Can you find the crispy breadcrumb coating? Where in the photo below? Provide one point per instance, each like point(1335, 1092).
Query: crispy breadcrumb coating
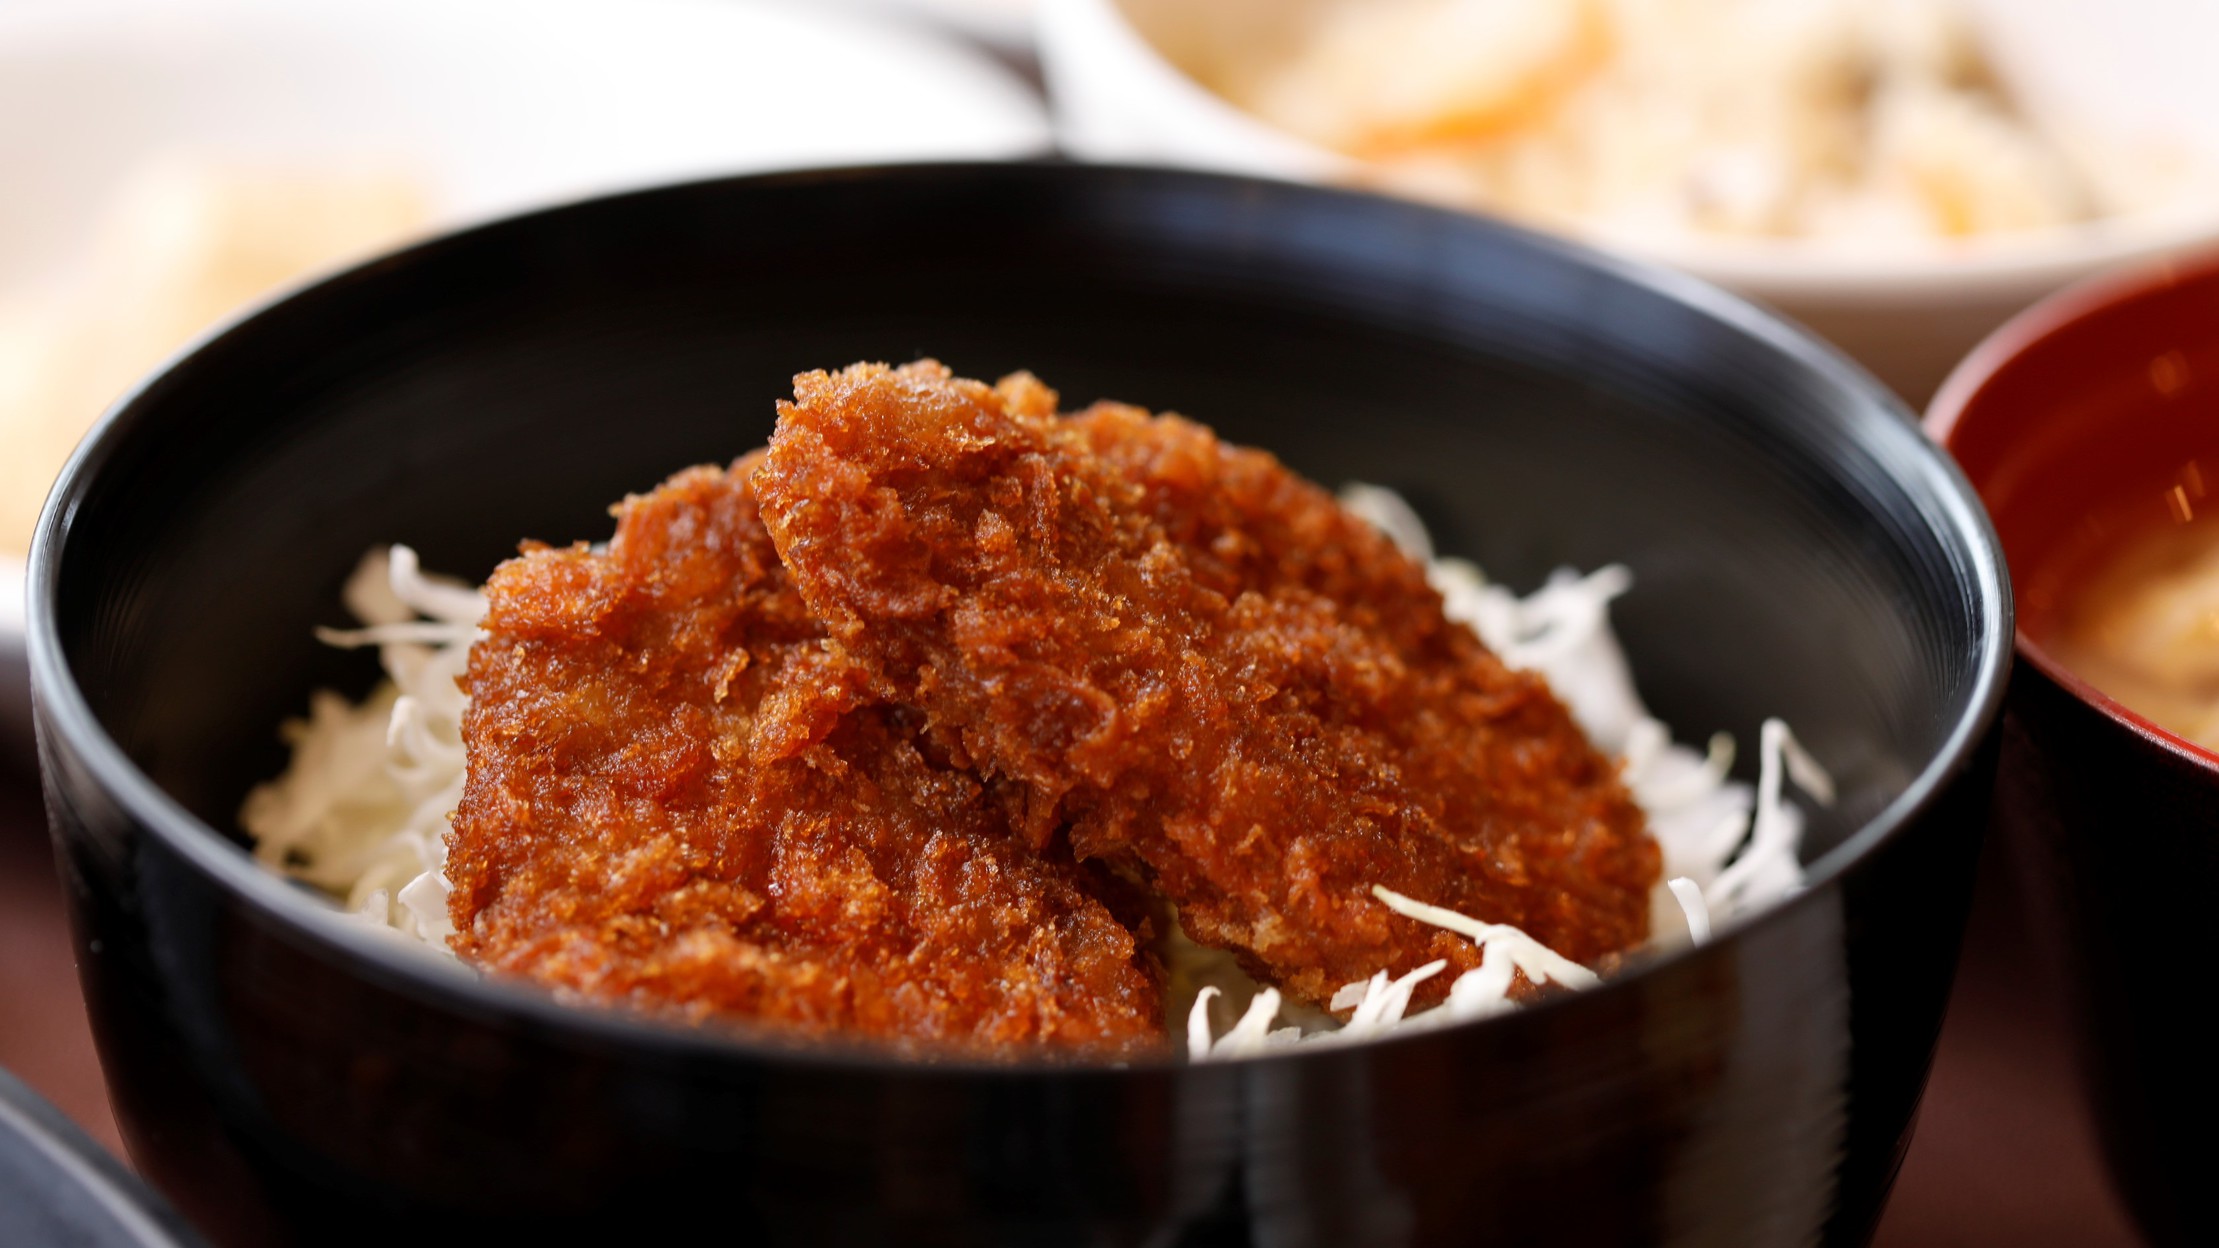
point(1201, 670)
point(681, 798)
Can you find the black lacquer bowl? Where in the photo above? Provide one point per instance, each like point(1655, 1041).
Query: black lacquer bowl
point(2083, 423)
point(1800, 550)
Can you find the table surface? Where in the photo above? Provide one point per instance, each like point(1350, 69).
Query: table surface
point(2004, 1152)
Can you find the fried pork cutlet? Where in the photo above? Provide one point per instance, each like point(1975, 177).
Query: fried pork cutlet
point(1203, 670)
point(680, 798)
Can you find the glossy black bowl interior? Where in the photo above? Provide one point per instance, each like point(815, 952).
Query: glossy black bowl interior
point(1798, 550)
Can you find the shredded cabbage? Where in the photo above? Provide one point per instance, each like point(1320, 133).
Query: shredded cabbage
point(1728, 850)
point(362, 811)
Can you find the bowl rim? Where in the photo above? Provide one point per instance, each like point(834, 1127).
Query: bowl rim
point(68, 725)
point(1855, 276)
point(2029, 333)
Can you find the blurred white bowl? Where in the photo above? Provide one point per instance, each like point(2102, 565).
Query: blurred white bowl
point(1003, 24)
point(502, 104)
point(1118, 76)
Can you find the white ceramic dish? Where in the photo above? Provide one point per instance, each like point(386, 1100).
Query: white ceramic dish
point(1115, 71)
point(504, 104)
point(1003, 24)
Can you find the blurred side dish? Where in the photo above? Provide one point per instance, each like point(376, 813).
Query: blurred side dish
point(2144, 624)
point(185, 242)
point(1846, 119)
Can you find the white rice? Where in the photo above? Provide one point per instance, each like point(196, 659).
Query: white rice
point(363, 810)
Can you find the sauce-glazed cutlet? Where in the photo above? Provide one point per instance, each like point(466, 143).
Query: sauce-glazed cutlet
point(681, 798)
point(1205, 669)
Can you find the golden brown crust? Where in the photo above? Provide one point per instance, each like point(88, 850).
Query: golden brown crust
point(1202, 666)
point(680, 797)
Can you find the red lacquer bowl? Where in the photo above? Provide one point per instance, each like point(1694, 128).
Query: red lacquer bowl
point(2091, 416)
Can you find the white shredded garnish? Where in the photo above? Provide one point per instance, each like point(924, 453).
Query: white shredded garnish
point(1351, 995)
point(416, 632)
point(372, 908)
point(1198, 1025)
point(1476, 994)
point(438, 597)
point(1252, 1033)
point(1692, 907)
point(426, 900)
point(1385, 1007)
point(1769, 866)
point(1380, 1005)
point(1663, 787)
point(1540, 963)
point(1804, 769)
point(1729, 849)
point(1391, 514)
point(362, 811)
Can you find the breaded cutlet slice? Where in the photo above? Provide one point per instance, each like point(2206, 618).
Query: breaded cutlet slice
point(1202, 670)
point(681, 798)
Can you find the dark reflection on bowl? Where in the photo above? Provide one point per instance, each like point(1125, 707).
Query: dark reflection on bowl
point(2068, 420)
point(1800, 551)
point(58, 1187)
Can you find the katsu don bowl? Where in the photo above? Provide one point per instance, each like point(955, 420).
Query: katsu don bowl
point(285, 1070)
